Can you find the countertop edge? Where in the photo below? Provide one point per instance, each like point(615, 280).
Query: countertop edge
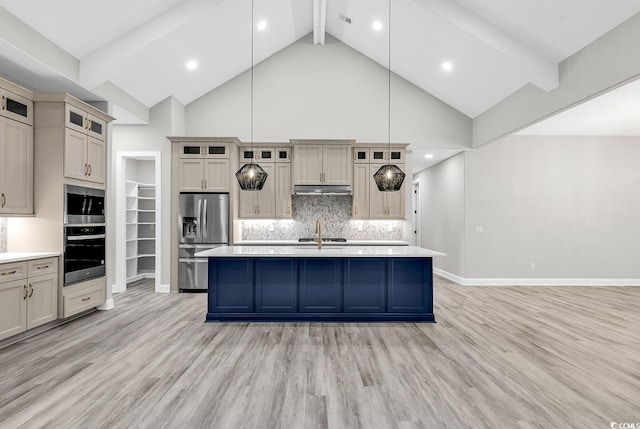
point(25, 256)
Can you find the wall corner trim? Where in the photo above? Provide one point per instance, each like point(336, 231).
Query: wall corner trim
point(108, 305)
point(163, 288)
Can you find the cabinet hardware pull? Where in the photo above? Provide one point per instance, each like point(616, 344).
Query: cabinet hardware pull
point(86, 299)
point(205, 183)
point(25, 292)
point(42, 267)
point(30, 290)
point(4, 103)
point(8, 273)
point(90, 169)
point(89, 124)
point(4, 200)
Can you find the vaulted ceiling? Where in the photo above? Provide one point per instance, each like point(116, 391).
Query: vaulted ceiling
point(141, 47)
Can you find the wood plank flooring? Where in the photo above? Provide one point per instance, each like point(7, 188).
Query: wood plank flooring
point(499, 357)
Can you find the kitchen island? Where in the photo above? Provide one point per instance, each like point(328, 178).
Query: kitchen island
point(336, 283)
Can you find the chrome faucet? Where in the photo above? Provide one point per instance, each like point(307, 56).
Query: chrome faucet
point(319, 232)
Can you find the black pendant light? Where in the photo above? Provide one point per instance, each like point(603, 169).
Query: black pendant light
point(251, 176)
point(389, 177)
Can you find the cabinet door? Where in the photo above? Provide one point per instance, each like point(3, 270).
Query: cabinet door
point(75, 155)
point(365, 285)
point(216, 150)
point(96, 160)
point(191, 150)
point(42, 302)
point(307, 164)
point(16, 107)
point(96, 127)
point(377, 199)
point(361, 179)
point(337, 164)
point(320, 285)
point(248, 203)
point(75, 118)
point(283, 191)
point(16, 167)
point(395, 201)
point(191, 178)
point(267, 196)
point(276, 285)
point(216, 175)
point(13, 308)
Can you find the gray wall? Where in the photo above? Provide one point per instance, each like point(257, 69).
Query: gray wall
point(167, 118)
point(606, 63)
point(326, 91)
point(442, 212)
point(568, 204)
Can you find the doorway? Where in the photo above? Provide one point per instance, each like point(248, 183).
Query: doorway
point(138, 218)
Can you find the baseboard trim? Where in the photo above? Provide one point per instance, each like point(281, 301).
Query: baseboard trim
point(534, 282)
point(163, 289)
point(118, 288)
point(108, 305)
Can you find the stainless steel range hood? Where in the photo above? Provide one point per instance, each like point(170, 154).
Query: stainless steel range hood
point(322, 189)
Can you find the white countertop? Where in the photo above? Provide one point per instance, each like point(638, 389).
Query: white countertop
point(24, 256)
point(328, 243)
point(325, 252)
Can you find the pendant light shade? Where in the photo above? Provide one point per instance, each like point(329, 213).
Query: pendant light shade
point(251, 177)
point(389, 177)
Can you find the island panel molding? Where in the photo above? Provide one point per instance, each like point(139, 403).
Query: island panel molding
point(366, 284)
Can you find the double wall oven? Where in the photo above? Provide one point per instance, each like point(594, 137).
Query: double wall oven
point(84, 234)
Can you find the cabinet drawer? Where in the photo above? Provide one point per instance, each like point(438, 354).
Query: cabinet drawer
point(13, 271)
point(39, 267)
point(84, 297)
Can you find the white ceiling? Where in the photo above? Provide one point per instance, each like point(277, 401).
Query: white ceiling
point(496, 46)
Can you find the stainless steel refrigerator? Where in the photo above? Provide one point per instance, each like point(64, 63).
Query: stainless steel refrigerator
point(203, 223)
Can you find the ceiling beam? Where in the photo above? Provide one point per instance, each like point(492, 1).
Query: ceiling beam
point(137, 113)
point(542, 71)
point(319, 21)
point(100, 65)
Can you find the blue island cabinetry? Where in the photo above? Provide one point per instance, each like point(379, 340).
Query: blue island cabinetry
point(320, 289)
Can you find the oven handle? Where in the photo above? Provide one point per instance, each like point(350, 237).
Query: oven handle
point(85, 237)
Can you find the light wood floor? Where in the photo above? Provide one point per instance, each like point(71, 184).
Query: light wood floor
point(499, 357)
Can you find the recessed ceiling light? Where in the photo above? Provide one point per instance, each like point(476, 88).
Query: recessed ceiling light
point(262, 25)
point(429, 156)
point(447, 66)
point(192, 65)
point(377, 25)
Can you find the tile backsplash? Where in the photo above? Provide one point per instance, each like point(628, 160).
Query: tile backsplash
point(334, 213)
point(3, 234)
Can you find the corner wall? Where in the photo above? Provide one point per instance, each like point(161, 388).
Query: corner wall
point(165, 119)
point(442, 212)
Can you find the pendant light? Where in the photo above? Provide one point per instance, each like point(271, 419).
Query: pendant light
point(389, 177)
point(251, 176)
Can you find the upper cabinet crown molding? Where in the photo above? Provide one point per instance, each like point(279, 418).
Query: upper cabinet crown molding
point(70, 99)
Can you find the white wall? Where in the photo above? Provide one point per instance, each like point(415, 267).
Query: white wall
point(326, 91)
point(569, 204)
point(442, 213)
point(166, 119)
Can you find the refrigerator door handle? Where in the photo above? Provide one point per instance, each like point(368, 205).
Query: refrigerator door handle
point(199, 220)
point(204, 217)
